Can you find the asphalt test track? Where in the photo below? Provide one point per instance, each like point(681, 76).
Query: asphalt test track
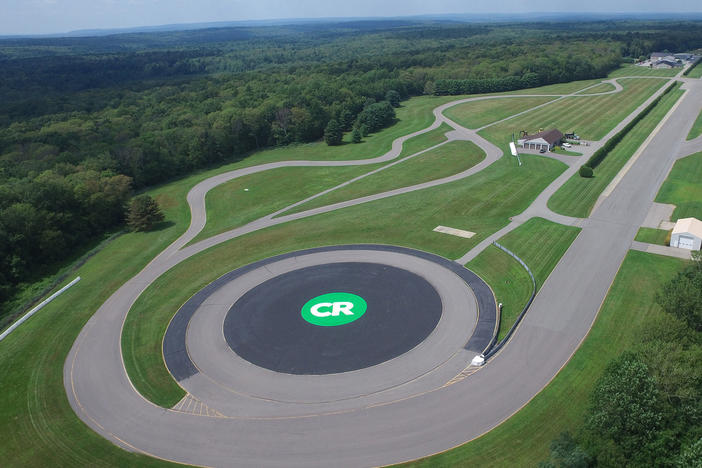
point(381, 414)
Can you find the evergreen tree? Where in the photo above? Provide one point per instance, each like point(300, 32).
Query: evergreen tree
point(356, 135)
point(143, 213)
point(333, 133)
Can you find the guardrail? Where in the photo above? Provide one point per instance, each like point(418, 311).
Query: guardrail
point(26, 316)
point(492, 350)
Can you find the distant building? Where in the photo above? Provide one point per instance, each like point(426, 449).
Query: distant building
point(658, 55)
point(668, 62)
point(687, 234)
point(542, 140)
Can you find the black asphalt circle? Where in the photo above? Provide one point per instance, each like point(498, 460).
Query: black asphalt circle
point(266, 326)
point(175, 349)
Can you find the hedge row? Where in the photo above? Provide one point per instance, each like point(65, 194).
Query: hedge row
point(602, 153)
point(696, 64)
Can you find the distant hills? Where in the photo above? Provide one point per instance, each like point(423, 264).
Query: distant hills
point(408, 20)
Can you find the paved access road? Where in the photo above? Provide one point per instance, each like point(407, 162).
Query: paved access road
point(101, 394)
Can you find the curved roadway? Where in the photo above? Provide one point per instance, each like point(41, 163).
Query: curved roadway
point(562, 314)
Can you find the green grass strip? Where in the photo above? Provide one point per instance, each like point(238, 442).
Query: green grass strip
point(540, 244)
point(651, 235)
point(696, 129)
point(600, 88)
point(636, 70)
point(248, 198)
point(477, 114)
point(682, 188)
point(578, 195)
point(451, 158)
point(425, 140)
point(523, 439)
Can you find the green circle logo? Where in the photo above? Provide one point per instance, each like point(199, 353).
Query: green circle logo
point(330, 310)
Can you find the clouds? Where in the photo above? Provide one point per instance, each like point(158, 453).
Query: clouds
point(52, 16)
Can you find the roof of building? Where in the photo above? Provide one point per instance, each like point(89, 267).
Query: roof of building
point(688, 225)
point(659, 54)
point(551, 136)
point(670, 63)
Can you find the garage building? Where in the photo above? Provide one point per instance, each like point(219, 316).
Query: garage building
point(687, 234)
point(542, 140)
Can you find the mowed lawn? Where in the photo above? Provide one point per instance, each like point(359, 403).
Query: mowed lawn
point(446, 160)
point(651, 235)
point(540, 244)
point(425, 140)
point(636, 70)
point(591, 117)
point(696, 72)
point(578, 195)
point(524, 438)
point(558, 88)
point(477, 114)
point(683, 189)
point(600, 88)
point(696, 129)
point(478, 204)
point(248, 198)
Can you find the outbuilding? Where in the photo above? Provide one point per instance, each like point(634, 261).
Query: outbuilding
point(687, 234)
point(542, 140)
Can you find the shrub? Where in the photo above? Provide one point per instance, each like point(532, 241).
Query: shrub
point(586, 171)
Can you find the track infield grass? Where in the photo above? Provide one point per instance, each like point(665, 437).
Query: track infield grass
point(600, 88)
point(479, 113)
point(540, 244)
point(524, 438)
point(636, 70)
point(591, 117)
point(251, 197)
point(446, 160)
point(682, 188)
point(579, 194)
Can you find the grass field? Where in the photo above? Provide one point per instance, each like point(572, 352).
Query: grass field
point(591, 117)
point(230, 206)
point(696, 129)
point(558, 150)
point(578, 195)
point(651, 236)
point(451, 158)
point(600, 88)
point(477, 114)
point(541, 244)
point(478, 204)
point(682, 188)
point(523, 439)
point(425, 140)
point(696, 72)
point(558, 88)
point(635, 70)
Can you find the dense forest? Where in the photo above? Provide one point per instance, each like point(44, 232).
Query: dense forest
point(86, 122)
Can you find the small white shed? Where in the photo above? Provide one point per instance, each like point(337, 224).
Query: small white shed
point(687, 234)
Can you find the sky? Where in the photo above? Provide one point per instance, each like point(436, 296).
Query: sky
point(60, 16)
